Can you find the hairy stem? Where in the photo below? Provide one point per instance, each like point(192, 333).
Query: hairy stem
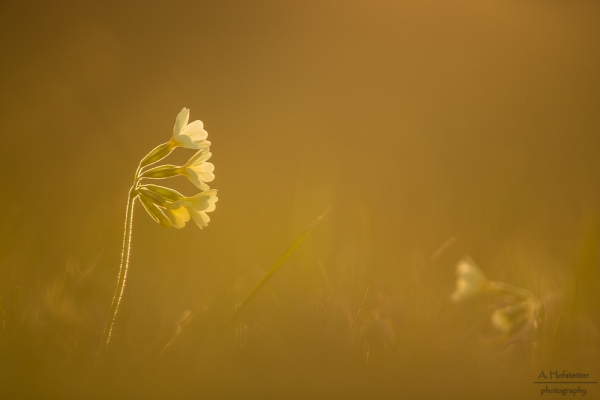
point(116, 302)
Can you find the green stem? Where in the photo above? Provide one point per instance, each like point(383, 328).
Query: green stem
point(513, 290)
point(124, 266)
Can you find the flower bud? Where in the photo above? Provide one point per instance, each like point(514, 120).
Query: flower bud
point(156, 213)
point(154, 197)
point(167, 193)
point(164, 171)
point(157, 154)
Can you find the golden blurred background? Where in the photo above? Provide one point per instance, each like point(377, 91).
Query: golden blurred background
point(434, 130)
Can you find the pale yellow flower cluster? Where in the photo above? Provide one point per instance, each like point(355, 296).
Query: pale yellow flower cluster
point(167, 206)
point(521, 309)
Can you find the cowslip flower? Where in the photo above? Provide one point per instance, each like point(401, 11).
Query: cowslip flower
point(470, 280)
point(198, 171)
point(178, 215)
point(166, 206)
point(170, 203)
point(196, 207)
point(189, 136)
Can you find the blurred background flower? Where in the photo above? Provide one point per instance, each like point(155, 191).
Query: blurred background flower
point(470, 280)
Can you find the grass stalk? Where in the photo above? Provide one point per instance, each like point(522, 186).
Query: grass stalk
point(360, 309)
point(270, 272)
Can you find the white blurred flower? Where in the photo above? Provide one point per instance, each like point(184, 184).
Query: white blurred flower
point(470, 280)
point(514, 317)
point(195, 207)
point(198, 171)
point(190, 136)
point(505, 319)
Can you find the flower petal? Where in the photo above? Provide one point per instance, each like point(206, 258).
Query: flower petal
point(200, 218)
point(178, 216)
point(204, 171)
point(181, 121)
point(192, 136)
point(179, 203)
point(202, 201)
point(200, 174)
point(198, 158)
point(201, 185)
point(211, 204)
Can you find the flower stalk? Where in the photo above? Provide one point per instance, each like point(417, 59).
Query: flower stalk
point(166, 206)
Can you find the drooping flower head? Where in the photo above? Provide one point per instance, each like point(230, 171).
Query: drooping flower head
point(167, 206)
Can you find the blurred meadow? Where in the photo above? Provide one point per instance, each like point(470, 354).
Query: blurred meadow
point(433, 129)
